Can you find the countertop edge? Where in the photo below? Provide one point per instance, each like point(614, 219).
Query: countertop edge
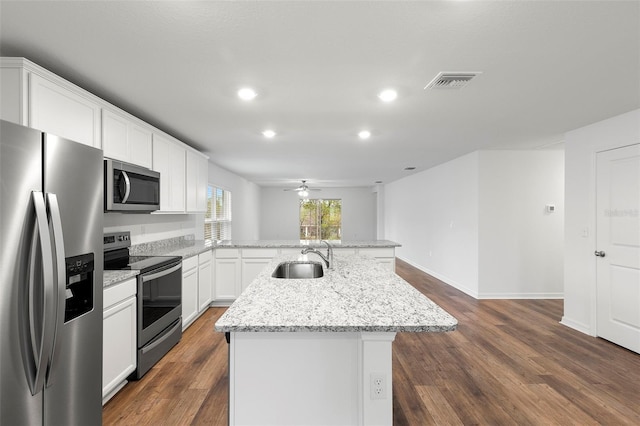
point(337, 329)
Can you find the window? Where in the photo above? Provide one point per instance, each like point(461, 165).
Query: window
point(320, 219)
point(217, 219)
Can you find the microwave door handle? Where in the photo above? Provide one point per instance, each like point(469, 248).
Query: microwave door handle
point(41, 325)
point(160, 274)
point(127, 187)
point(61, 268)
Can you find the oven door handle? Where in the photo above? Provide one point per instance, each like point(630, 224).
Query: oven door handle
point(161, 274)
point(167, 335)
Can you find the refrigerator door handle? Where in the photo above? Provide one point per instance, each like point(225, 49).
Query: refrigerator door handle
point(61, 271)
point(41, 312)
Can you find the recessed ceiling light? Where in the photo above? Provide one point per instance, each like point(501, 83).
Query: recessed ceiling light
point(364, 134)
point(247, 93)
point(269, 134)
point(410, 168)
point(378, 182)
point(388, 95)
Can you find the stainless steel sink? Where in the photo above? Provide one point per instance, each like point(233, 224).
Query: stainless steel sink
point(298, 270)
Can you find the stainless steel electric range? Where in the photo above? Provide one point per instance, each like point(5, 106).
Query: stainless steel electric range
point(159, 298)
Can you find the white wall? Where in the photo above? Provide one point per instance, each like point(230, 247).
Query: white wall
point(581, 146)
point(478, 223)
point(520, 244)
point(145, 227)
point(434, 215)
point(280, 211)
point(245, 202)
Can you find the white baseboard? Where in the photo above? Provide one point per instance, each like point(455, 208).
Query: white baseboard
point(521, 296)
point(576, 325)
point(481, 295)
point(443, 278)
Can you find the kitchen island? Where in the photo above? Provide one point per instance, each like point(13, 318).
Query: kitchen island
point(318, 351)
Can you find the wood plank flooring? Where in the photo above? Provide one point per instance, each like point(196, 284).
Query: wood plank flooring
point(509, 363)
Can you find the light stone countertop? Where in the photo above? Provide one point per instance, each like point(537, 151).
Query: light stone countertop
point(358, 295)
point(171, 247)
point(113, 277)
point(186, 247)
point(302, 244)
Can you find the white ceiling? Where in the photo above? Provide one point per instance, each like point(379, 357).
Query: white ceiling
point(547, 67)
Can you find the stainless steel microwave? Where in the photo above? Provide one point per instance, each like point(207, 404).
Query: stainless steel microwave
point(130, 188)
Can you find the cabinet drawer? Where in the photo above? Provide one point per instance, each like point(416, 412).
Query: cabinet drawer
point(265, 253)
point(118, 292)
point(290, 250)
point(227, 253)
point(205, 257)
point(189, 263)
point(378, 252)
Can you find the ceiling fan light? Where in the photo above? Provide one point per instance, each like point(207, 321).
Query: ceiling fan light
point(304, 193)
point(269, 134)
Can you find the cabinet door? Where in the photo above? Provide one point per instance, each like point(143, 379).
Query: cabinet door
point(227, 279)
point(169, 161)
point(203, 179)
point(140, 142)
point(192, 181)
point(189, 296)
point(251, 268)
point(205, 271)
point(177, 166)
point(119, 345)
point(63, 112)
point(114, 136)
point(197, 176)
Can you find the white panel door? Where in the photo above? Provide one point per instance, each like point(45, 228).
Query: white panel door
point(618, 246)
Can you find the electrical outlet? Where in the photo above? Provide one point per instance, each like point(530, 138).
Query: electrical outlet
point(378, 386)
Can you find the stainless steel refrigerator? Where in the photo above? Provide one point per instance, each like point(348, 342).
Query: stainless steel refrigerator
point(51, 263)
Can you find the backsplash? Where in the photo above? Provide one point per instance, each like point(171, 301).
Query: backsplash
point(147, 228)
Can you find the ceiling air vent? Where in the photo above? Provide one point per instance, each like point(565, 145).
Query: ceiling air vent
point(451, 80)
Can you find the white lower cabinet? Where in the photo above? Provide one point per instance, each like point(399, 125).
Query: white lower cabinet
point(384, 256)
point(253, 262)
point(196, 286)
point(119, 337)
point(227, 275)
point(189, 291)
point(236, 268)
point(205, 275)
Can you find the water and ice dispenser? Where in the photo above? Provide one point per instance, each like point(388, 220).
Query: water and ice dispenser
point(79, 287)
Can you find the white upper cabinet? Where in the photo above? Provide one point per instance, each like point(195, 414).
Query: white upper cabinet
point(63, 112)
point(35, 97)
point(197, 176)
point(125, 140)
point(169, 159)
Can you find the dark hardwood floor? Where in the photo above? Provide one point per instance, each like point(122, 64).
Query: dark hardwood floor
point(509, 363)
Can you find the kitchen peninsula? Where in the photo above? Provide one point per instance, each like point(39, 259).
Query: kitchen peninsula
point(318, 351)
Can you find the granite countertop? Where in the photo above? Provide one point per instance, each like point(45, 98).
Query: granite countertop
point(358, 295)
point(113, 277)
point(299, 243)
point(171, 247)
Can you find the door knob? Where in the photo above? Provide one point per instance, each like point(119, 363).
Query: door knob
point(599, 253)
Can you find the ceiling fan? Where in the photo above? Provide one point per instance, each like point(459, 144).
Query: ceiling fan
point(303, 190)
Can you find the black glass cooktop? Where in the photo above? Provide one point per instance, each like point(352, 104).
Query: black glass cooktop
point(122, 261)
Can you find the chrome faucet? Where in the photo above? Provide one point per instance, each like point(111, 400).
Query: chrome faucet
point(328, 259)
